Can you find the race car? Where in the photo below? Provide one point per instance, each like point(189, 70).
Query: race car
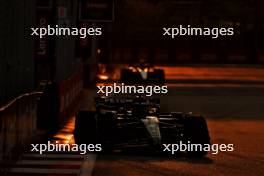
point(142, 73)
point(138, 121)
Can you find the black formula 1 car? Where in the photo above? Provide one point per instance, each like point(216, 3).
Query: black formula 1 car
point(142, 73)
point(138, 121)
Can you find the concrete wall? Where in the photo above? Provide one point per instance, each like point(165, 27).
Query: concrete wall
point(16, 61)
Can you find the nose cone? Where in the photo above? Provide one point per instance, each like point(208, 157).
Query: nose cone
point(144, 74)
point(152, 126)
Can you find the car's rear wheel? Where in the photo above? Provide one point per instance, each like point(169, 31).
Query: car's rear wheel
point(106, 131)
point(196, 132)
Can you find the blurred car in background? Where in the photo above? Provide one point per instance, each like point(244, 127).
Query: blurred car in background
point(142, 73)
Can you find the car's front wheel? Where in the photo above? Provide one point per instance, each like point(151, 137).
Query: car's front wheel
point(196, 132)
point(85, 131)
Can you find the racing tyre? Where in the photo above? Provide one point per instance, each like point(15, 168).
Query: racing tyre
point(85, 131)
point(196, 131)
point(106, 131)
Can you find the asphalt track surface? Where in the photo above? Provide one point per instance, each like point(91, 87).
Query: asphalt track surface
point(246, 160)
point(232, 101)
point(234, 112)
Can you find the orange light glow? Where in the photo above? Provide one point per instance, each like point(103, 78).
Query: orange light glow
point(65, 135)
point(213, 73)
point(146, 69)
point(133, 69)
point(103, 77)
point(64, 138)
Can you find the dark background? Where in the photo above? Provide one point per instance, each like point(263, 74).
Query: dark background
point(221, 79)
point(132, 29)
